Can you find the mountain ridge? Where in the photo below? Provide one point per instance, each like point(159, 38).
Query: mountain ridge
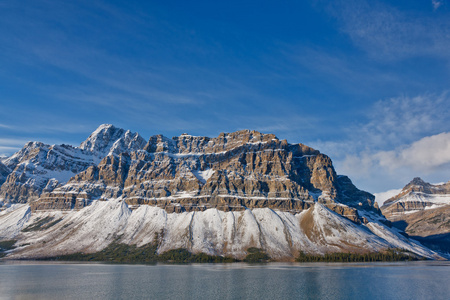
point(217, 195)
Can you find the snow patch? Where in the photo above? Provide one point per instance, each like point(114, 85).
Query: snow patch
point(13, 219)
point(204, 175)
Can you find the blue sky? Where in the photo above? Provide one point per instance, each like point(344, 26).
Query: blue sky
point(366, 82)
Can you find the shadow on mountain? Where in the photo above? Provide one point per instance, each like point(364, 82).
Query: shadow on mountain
point(437, 242)
point(400, 225)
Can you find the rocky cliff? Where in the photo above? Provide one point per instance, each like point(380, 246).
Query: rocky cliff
point(235, 171)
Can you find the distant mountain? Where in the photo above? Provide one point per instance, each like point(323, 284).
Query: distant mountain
point(423, 211)
point(219, 196)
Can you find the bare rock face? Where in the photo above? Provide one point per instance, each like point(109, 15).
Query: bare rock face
point(235, 171)
point(423, 211)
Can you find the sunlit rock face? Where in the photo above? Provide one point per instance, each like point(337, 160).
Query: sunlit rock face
point(232, 172)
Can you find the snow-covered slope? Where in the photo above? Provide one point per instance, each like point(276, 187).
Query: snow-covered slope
point(281, 234)
point(12, 220)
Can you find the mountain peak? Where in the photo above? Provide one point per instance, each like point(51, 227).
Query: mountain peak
point(107, 139)
point(417, 181)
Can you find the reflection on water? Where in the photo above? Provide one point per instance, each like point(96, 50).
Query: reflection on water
point(411, 280)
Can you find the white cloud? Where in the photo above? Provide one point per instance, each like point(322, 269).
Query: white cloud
point(402, 138)
point(424, 155)
point(5, 142)
point(10, 145)
point(380, 198)
point(375, 171)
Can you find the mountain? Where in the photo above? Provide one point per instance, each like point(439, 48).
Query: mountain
point(423, 211)
point(109, 140)
point(39, 167)
point(219, 196)
point(244, 169)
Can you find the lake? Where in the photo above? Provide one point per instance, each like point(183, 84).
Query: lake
point(403, 280)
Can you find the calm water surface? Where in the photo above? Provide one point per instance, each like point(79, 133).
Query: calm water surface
point(412, 280)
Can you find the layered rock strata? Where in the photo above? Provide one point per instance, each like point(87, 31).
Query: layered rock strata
point(235, 171)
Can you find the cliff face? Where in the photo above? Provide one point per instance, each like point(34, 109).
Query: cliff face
point(235, 171)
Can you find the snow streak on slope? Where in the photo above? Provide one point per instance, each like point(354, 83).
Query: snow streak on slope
point(203, 176)
point(281, 234)
point(12, 220)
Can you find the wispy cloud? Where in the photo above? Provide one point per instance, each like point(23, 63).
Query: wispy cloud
point(353, 74)
point(402, 138)
point(436, 4)
point(378, 171)
point(12, 142)
point(427, 155)
point(385, 32)
point(393, 123)
point(10, 145)
point(400, 120)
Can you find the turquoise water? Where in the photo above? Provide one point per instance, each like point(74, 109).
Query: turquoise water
point(411, 280)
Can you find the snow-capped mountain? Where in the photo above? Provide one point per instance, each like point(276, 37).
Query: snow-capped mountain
point(423, 211)
point(39, 167)
point(417, 196)
point(107, 140)
point(215, 195)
